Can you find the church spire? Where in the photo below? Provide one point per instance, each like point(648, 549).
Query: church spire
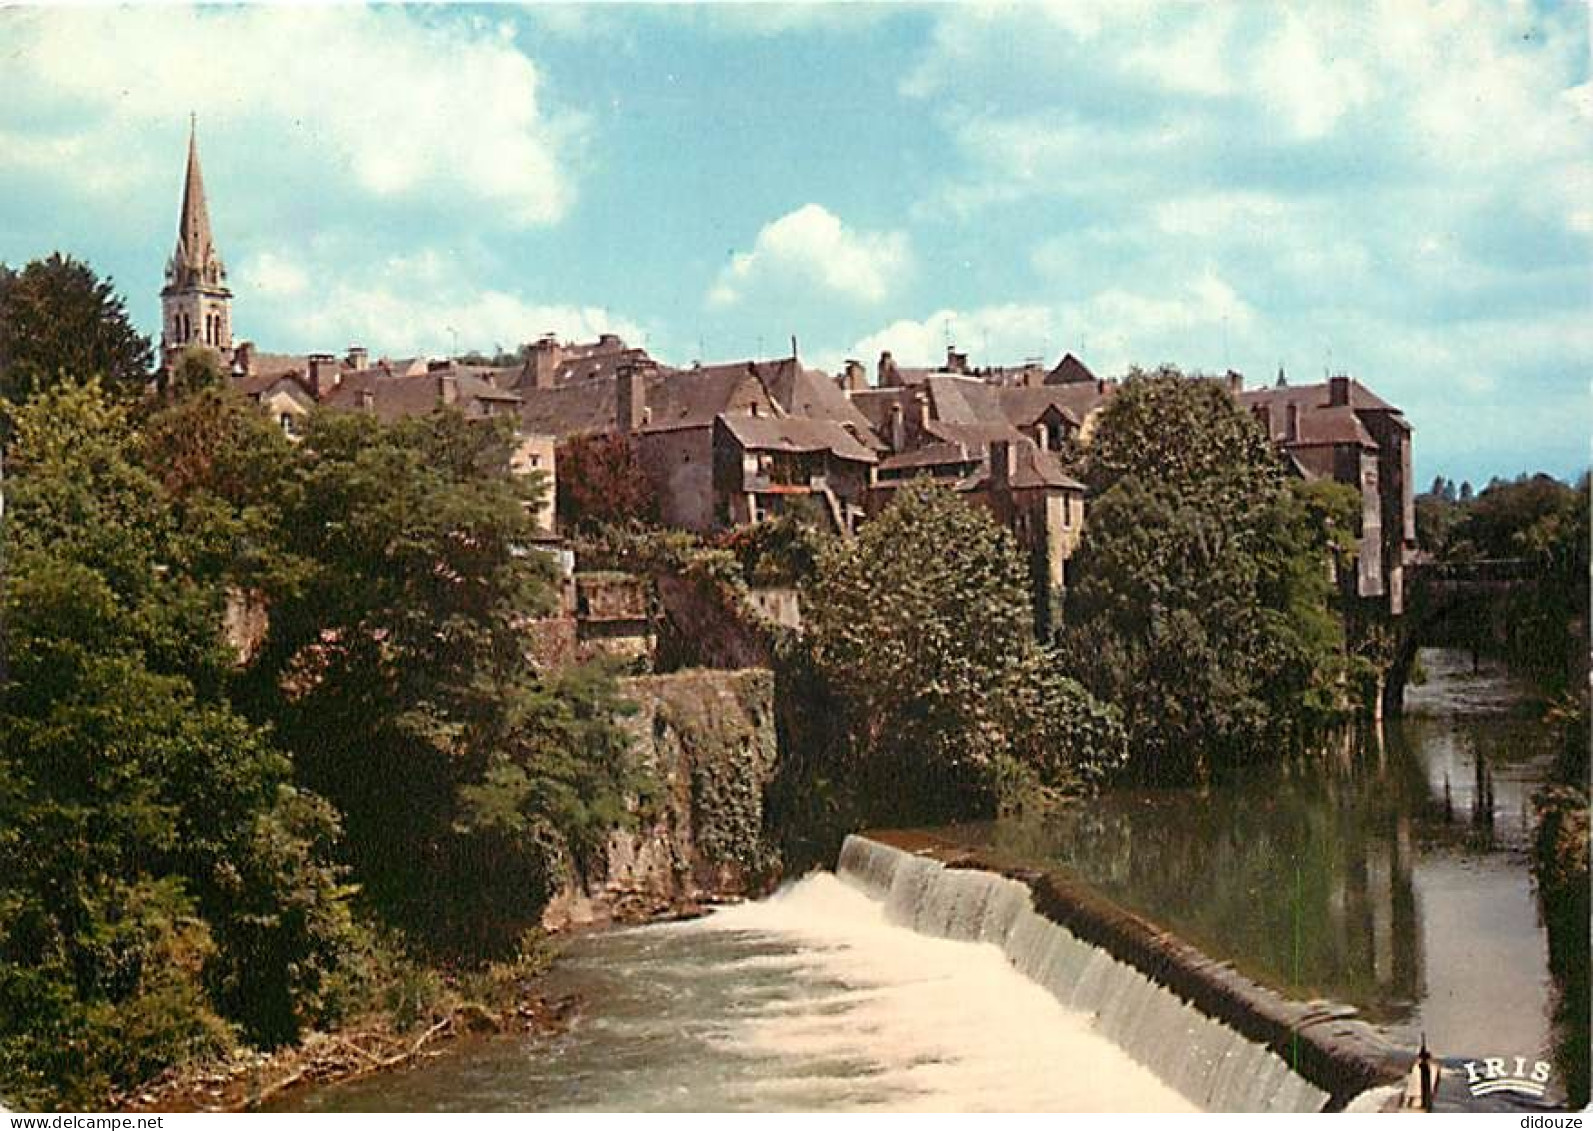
point(195, 259)
point(196, 304)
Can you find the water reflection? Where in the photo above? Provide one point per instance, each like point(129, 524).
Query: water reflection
point(1391, 874)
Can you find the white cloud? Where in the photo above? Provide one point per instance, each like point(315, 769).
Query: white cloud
point(270, 274)
point(811, 246)
point(995, 333)
point(418, 303)
point(389, 102)
point(1191, 321)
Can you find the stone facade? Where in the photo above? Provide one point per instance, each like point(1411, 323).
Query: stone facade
point(1341, 430)
point(707, 739)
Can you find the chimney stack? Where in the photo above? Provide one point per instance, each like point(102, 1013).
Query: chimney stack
point(898, 431)
point(358, 358)
point(956, 362)
point(630, 398)
point(1003, 463)
point(1236, 381)
point(1262, 412)
point(546, 357)
point(324, 375)
point(1292, 430)
point(447, 387)
point(854, 377)
point(889, 376)
point(1339, 391)
point(368, 399)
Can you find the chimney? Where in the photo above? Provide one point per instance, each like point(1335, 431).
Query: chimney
point(546, 357)
point(889, 376)
point(324, 375)
point(630, 398)
point(368, 399)
point(243, 358)
point(898, 431)
point(1292, 429)
point(921, 412)
point(1263, 414)
point(1339, 391)
point(1042, 440)
point(956, 362)
point(609, 343)
point(1003, 463)
point(358, 358)
point(447, 387)
point(854, 377)
point(1236, 381)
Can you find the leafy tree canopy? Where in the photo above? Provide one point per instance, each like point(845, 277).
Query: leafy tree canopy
point(160, 877)
point(395, 669)
point(601, 483)
point(1202, 605)
point(58, 320)
point(922, 631)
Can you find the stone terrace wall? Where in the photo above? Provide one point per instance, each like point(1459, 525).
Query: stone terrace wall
point(707, 739)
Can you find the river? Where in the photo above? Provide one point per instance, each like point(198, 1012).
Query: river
point(1393, 877)
point(807, 1001)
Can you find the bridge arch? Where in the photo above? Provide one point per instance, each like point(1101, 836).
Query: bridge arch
point(1458, 605)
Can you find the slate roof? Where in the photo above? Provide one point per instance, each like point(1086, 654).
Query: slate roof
point(1320, 422)
point(930, 455)
point(1069, 371)
point(795, 434)
point(810, 393)
point(675, 398)
point(1036, 469)
point(397, 395)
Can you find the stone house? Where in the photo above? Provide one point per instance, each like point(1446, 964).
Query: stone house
point(764, 464)
point(1341, 430)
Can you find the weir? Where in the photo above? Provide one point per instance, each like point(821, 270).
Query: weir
point(1224, 1042)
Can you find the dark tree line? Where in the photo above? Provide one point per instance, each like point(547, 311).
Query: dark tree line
point(207, 837)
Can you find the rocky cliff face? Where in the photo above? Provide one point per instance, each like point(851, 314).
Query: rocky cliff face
point(707, 739)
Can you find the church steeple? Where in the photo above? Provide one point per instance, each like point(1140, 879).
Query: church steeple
point(196, 305)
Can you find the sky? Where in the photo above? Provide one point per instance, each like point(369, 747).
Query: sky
point(1398, 190)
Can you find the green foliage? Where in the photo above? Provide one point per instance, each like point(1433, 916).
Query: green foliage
point(921, 629)
point(157, 870)
point(601, 482)
point(395, 669)
point(195, 370)
point(60, 321)
point(1202, 604)
point(784, 550)
point(1186, 435)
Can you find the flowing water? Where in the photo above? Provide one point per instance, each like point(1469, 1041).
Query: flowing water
point(811, 1000)
point(1395, 877)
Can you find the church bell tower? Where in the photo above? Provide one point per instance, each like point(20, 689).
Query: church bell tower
point(196, 306)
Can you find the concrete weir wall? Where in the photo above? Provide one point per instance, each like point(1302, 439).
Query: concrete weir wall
point(1224, 1041)
point(706, 740)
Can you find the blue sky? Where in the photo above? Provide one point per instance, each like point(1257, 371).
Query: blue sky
point(1398, 190)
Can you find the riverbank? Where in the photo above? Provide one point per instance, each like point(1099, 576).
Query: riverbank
point(373, 1043)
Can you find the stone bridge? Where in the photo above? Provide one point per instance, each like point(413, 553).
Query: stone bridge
point(1457, 605)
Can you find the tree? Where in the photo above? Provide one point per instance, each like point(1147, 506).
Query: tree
point(395, 669)
point(602, 482)
point(160, 876)
point(1201, 605)
point(60, 320)
point(922, 631)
